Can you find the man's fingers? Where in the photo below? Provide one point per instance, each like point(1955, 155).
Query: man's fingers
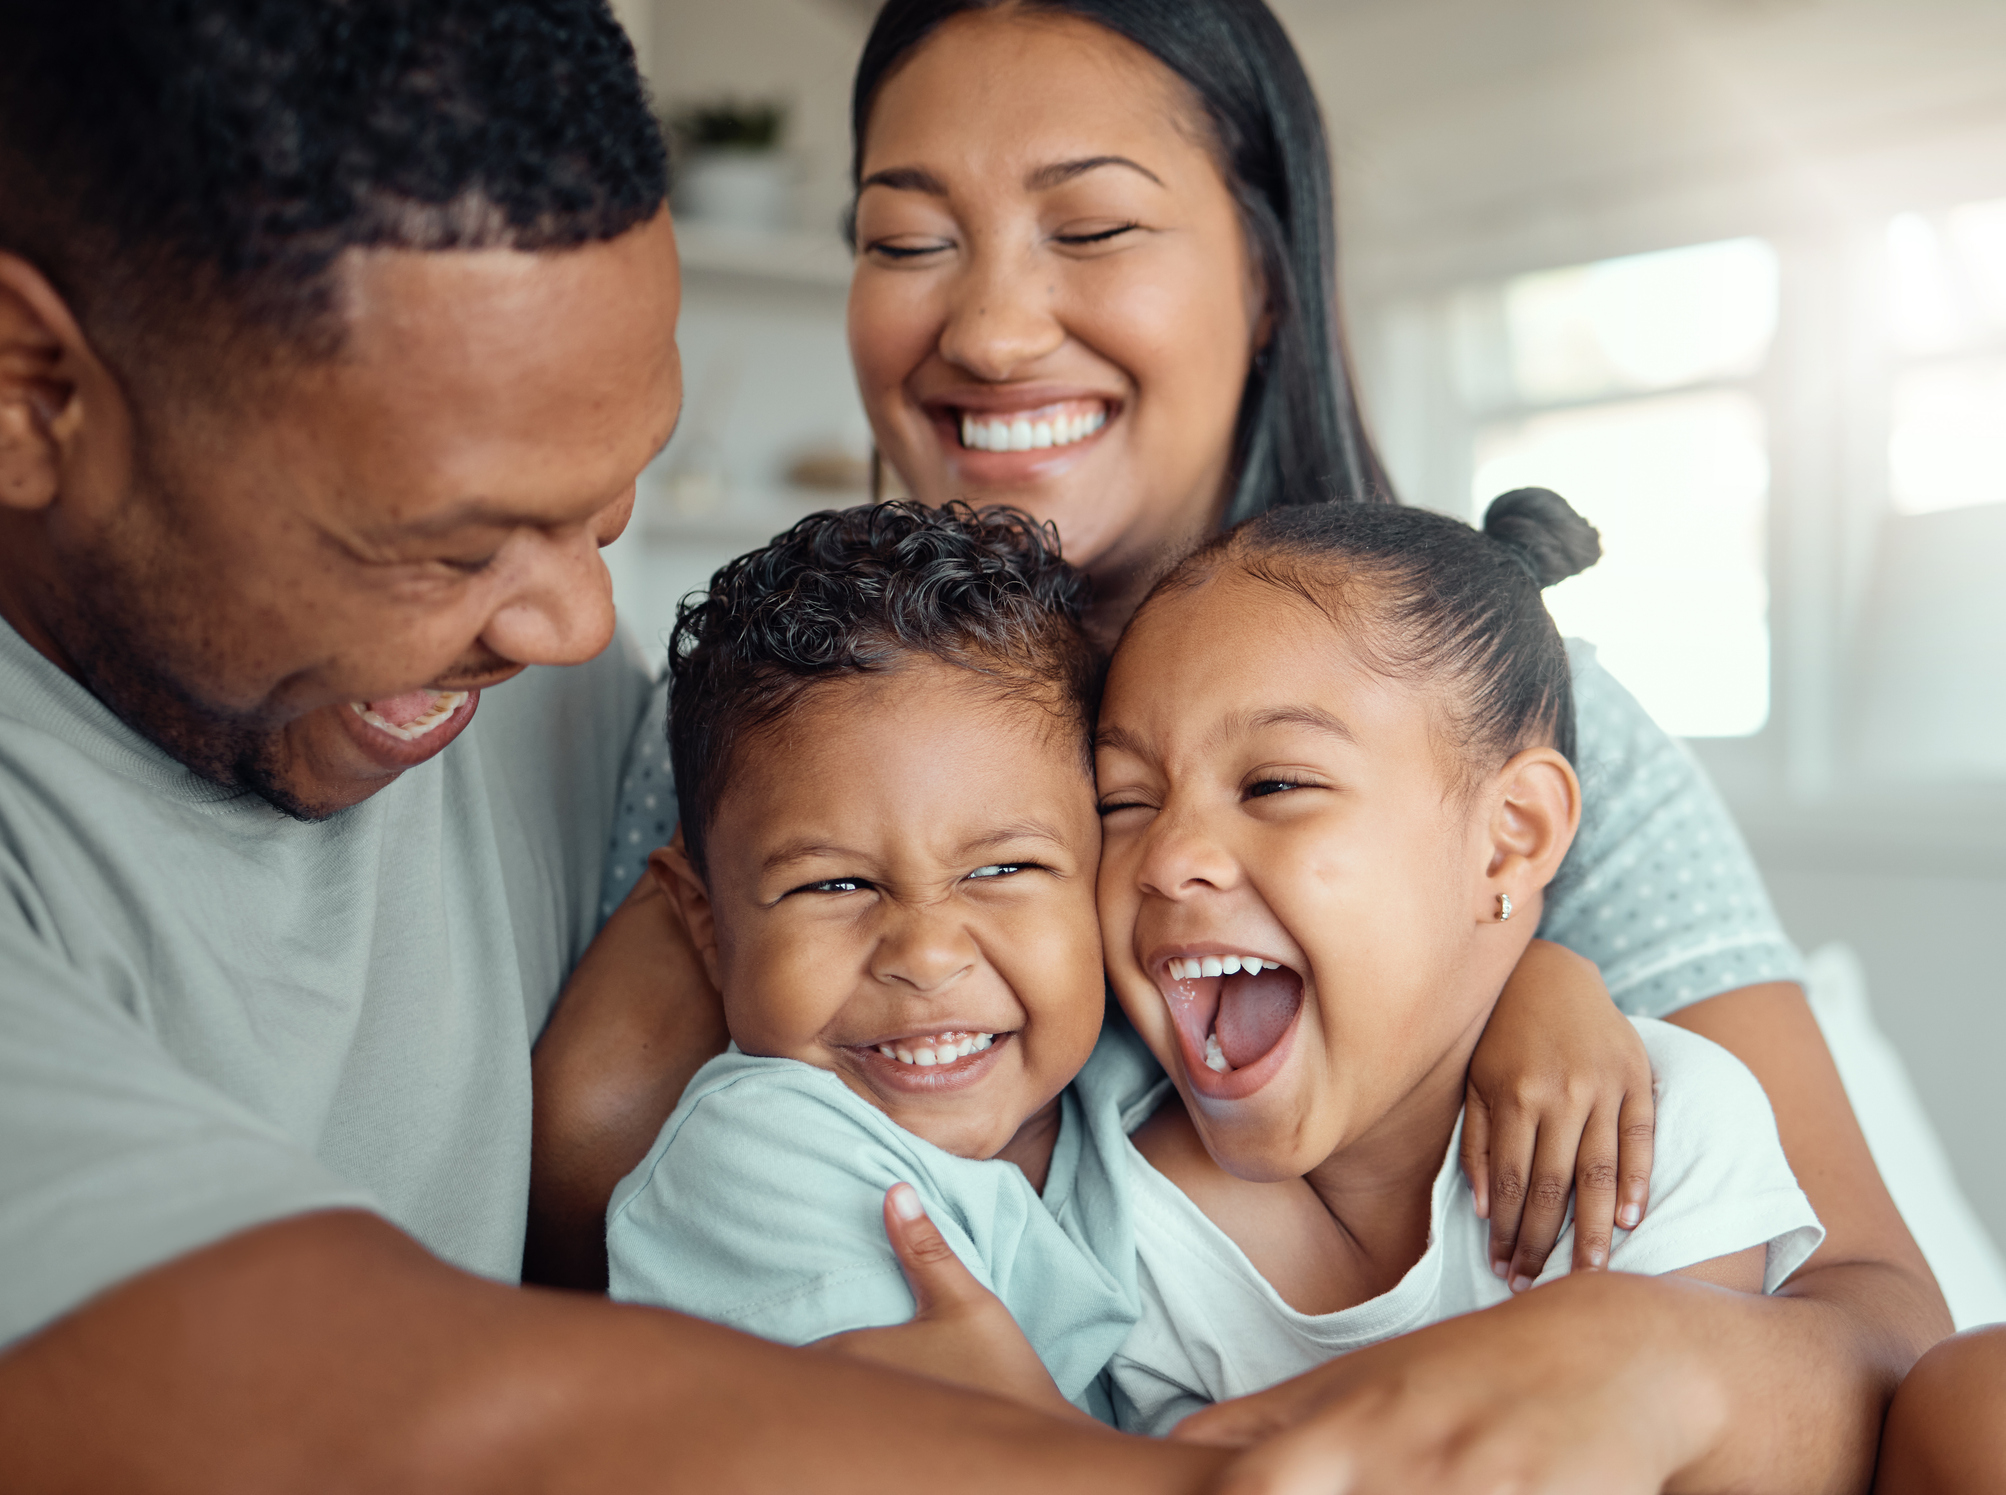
point(932, 1270)
point(1595, 1178)
point(1476, 1149)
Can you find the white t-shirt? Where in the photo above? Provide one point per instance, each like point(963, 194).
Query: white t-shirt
point(213, 1016)
point(1212, 1327)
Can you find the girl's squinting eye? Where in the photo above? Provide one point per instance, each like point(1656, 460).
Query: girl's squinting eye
point(1263, 788)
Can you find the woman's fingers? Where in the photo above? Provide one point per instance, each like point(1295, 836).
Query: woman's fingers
point(1595, 1180)
point(1514, 1132)
point(1636, 1139)
point(1551, 1181)
point(937, 1277)
point(1476, 1149)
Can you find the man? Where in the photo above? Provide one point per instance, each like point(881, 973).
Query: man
point(333, 334)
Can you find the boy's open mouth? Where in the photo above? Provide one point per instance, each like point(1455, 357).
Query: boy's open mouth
point(1231, 1009)
point(939, 1048)
point(930, 1063)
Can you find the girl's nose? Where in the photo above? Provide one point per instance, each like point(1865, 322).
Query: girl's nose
point(1181, 858)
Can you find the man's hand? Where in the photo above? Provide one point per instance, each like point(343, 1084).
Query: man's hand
point(1552, 1392)
point(961, 1332)
point(1559, 1101)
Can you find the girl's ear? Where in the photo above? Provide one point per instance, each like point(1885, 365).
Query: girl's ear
point(1535, 810)
point(674, 874)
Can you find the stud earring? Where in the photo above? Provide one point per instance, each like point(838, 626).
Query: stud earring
point(1504, 907)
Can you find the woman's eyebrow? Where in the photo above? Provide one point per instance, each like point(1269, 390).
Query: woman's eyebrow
point(906, 179)
point(1061, 172)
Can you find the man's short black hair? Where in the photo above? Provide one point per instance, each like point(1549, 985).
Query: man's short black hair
point(167, 161)
point(861, 591)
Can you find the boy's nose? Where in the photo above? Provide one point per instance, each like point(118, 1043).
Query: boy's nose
point(924, 950)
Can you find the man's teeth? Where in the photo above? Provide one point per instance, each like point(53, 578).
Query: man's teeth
point(444, 704)
point(1215, 1057)
point(1219, 965)
point(1030, 431)
point(942, 1049)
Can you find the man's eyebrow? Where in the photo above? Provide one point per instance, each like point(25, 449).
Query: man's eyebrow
point(906, 179)
point(1061, 172)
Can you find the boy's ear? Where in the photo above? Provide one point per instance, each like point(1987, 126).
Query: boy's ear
point(674, 874)
point(1535, 810)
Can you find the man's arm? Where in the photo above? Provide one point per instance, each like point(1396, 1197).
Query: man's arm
point(331, 1352)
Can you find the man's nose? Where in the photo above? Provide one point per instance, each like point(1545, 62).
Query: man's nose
point(561, 608)
point(1000, 318)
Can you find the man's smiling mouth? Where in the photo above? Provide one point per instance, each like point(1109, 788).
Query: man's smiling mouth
point(413, 714)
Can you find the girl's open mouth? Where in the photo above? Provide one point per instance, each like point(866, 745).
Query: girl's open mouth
point(1232, 1012)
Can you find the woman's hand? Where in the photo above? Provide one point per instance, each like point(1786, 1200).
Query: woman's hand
point(961, 1332)
point(1559, 1101)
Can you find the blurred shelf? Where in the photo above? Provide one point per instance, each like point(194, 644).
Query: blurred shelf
point(747, 517)
point(817, 260)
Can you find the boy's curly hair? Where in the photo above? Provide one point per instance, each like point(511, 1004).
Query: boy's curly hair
point(860, 591)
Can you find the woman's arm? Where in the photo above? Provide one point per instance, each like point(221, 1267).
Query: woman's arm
point(637, 1019)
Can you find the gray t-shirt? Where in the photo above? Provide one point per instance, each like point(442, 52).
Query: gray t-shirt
point(1658, 890)
point(213, 1016)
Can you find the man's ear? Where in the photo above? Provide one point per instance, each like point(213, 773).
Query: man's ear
point(1535, 810)
point(42, 358)
point(676, 876)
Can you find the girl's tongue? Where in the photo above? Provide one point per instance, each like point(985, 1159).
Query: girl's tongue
point(1232, 1020)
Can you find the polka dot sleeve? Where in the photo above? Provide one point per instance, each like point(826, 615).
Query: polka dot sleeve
point(646, 815)
point(1659, 889)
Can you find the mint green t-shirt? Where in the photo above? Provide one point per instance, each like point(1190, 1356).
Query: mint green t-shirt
point(213, 1016)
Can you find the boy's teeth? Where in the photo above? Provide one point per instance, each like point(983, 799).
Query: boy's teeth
point(1032, 430)
point(1194, 967)
point(943, 1049)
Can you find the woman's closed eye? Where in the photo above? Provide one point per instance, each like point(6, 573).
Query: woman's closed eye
point(1083, 237)
point(905, 249)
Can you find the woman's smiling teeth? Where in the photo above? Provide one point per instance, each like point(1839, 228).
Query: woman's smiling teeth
point(1218, 965)
point(942, 1048)
point(1032, 430)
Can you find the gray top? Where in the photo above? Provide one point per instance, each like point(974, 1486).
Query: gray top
point(213, 1016)
point(761, 1206)
point(1659, 889)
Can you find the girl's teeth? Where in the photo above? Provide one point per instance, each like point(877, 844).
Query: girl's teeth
point(1032, 431)
point(944, 1049)
point(1215, 1057)
point(1215, 965)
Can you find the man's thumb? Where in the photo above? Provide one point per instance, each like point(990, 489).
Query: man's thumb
point(932, 1270)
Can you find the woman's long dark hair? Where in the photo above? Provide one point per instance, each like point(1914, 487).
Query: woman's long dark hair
point(1300, 437)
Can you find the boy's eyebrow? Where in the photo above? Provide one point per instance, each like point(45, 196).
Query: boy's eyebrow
point(1017, 830)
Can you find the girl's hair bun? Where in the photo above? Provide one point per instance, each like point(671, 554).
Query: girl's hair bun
point(1544, 533)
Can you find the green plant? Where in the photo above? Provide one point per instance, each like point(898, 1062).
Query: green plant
point(729, 124)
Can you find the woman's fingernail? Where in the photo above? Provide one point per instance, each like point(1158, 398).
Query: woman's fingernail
point(1628, 1216)
point(905, 1202)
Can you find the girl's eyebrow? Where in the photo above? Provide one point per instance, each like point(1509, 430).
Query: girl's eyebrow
point(1044, 178)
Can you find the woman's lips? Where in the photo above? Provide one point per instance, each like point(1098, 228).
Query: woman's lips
point(989, 445)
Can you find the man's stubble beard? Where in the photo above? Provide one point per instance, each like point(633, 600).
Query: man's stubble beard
point(124, 628)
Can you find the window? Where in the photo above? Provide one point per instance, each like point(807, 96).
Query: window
point(1947, 329)
point(1626, 387)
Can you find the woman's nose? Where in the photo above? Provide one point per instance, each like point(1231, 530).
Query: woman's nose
point(1000, 319)
point(925, 949)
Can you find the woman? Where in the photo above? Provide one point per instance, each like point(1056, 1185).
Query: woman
point(1095, 280)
